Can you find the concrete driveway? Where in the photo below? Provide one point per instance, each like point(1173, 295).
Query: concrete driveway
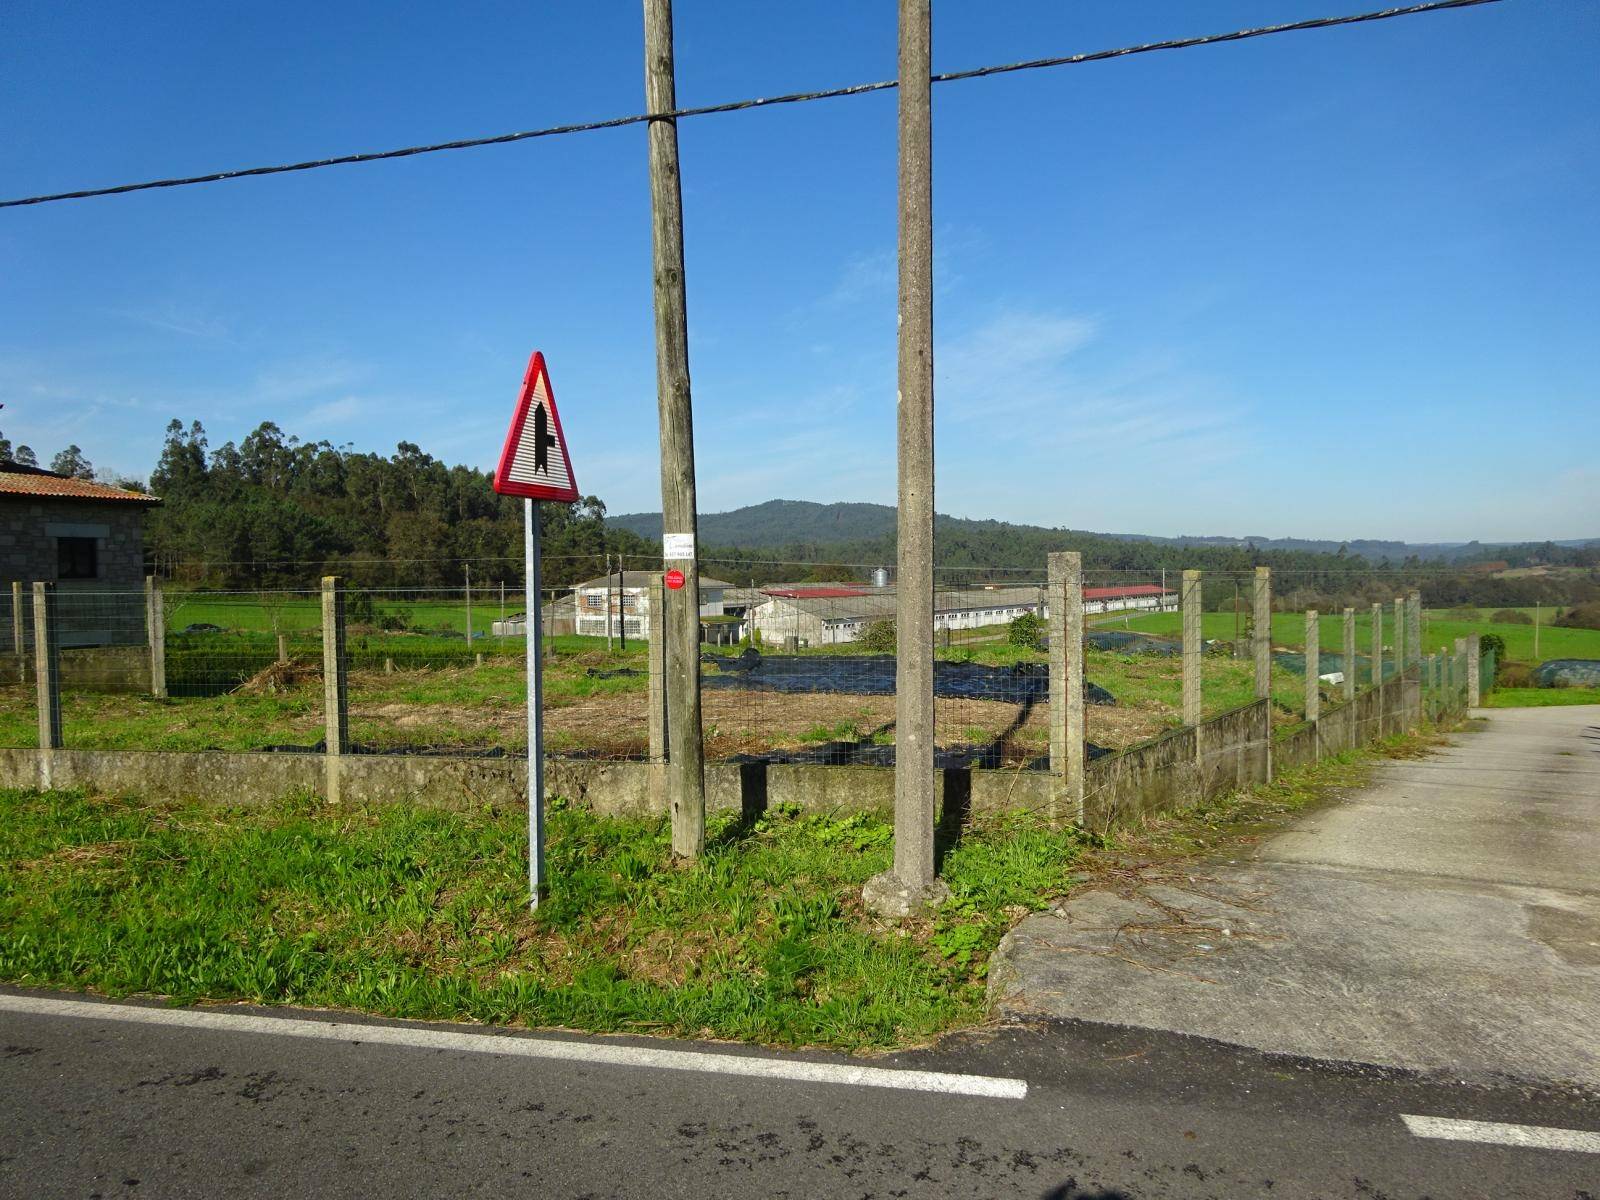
point(1446, 919)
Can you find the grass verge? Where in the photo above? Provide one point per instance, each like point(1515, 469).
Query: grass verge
point(1540, 697)
point(422, 914)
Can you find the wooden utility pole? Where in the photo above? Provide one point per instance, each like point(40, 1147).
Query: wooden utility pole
point(686, 785)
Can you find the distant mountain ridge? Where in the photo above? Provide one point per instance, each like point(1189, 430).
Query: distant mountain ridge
point(790, 522)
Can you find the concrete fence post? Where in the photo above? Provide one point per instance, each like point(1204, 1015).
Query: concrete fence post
point(1261, 632)
point(156, 635)
point(1461, 672)
point(47, 665)
point(1349, 654)
point(1414, 627)
point(47, 678)
point(1190, 600)
point(656, 648)
point(1474, 672)
point(1448, 690)
point(335, 693)
point(19, 631)
point(1377, 644)
point(1401, 649)
point(1067, 734)
point(1313, 666)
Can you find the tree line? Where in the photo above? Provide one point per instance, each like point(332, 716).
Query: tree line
point(274, 511)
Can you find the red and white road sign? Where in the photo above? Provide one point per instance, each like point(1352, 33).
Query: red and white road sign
point(674, 579)
point(534, 462)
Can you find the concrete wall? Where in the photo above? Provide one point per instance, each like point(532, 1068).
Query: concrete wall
point(441, 781)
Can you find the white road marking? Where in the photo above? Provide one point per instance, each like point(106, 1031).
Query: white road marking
point(1538, 1137)
point(529, 1047)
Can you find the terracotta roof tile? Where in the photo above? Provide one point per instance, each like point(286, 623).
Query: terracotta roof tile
point(21, 481)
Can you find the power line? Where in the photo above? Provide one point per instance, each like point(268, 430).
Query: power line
point(859, 89)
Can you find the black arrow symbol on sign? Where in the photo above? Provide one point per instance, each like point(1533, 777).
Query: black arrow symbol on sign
point(543, 439)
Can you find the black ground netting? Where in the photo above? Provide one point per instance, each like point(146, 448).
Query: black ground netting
point(874, 675)
point(1568, 672)
point(1126, 642)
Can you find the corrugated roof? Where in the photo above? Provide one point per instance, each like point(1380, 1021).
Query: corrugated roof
point(814, 593)
point(18, 480)
point(1128, 592)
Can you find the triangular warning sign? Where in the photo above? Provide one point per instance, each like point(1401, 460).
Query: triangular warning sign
point(534, 462)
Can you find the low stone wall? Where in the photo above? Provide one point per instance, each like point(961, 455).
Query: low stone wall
point(1165, 775)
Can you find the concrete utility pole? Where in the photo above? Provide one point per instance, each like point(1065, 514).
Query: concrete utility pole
point(1190, 600)
point(1262, 632)
point(1349, 654)
point(686, 782)
point(1066, 682)
point(911, 883)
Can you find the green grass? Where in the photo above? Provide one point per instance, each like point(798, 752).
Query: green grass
point(1540, 697)
point(1439, 632)
point(266, 612)
point(422, 914)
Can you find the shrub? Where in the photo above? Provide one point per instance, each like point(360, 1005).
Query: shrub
point(1026, 631)
point(1513, 675)
point(1583, 616)
point(1464, 612)
point(879, 637)
point(358, 607)
point(1510, 616)
point(1492, 643)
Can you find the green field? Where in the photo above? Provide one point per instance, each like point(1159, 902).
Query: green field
point(1439, 631)
point(266, 612)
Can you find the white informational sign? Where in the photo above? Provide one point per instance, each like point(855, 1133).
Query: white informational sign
point(677, 545)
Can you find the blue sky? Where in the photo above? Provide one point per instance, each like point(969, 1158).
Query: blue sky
point(1332, 284)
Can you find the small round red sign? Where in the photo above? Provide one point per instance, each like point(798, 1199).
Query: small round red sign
point(674, 579)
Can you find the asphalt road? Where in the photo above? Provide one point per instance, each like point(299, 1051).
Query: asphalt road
point(99, 1107)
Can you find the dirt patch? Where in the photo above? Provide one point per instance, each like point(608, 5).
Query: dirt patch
point(748, 722)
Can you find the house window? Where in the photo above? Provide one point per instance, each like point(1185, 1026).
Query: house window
point(77, 558)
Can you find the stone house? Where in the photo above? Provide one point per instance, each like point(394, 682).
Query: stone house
point(85, 537)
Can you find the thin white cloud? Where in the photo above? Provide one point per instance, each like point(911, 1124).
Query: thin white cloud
point(1014, 363)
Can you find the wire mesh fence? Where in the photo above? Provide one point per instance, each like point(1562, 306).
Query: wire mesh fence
point(801, 672)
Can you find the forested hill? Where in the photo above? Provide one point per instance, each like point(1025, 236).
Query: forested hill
point(276, 511)
point(788, 523)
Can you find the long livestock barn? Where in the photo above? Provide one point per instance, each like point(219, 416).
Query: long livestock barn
point(828, 615)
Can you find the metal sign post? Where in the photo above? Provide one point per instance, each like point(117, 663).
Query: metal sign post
point(534, 465)
point(530, 556)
